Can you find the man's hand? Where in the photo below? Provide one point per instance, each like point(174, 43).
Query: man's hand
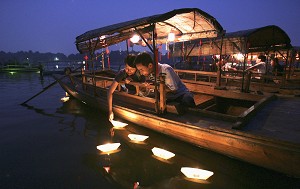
point(128, 80)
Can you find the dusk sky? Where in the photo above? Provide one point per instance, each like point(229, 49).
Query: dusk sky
point(52, 26)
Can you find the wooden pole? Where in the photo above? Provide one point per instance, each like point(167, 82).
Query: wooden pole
point(155, 69)
point(162, 90)
point(219, 76)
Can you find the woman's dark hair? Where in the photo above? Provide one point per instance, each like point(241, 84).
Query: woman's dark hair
point(129, 60)
point(262, 58)
point(143, 58)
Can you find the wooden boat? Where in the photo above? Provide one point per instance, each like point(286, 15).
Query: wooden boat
point(239, 125)
point(59, 67)
point(243, 47)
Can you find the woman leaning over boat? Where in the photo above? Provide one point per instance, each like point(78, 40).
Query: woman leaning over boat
point(128, 74)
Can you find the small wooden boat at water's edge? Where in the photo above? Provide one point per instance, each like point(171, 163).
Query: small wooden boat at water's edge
point(248, 127)
point(210, 125)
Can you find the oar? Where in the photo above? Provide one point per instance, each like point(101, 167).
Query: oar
point(41, 91)
point(46, 88)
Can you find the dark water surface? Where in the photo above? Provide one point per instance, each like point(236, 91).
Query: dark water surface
point(51, 144)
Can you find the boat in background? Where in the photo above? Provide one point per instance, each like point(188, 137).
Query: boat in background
point(19, 68)
point(59, 67)
point(239, 51)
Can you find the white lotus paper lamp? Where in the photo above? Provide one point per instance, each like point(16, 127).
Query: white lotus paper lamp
point(195, 173)
point(107, 169)
point(164, 154)
point(137, 138)
point(108, 147)
point(118, 124)
point(65, 99)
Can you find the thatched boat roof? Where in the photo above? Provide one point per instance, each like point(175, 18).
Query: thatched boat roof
point(187, 24)
point(268, 38)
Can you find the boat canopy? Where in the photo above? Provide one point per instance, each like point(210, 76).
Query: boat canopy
point(186, 24)
point(264, 39)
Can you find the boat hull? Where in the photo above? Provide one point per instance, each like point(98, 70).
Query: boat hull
point(264, 151)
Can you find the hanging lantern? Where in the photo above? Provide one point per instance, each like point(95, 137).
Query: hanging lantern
point(135, 38)
point(171, 36)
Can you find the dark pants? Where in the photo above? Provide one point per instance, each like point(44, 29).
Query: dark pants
point(187, 100)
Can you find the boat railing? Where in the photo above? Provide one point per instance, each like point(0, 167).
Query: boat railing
point(249, 79)
point(95, 82)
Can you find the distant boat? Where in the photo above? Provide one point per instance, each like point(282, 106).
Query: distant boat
point(19, 68)
point(59, 67)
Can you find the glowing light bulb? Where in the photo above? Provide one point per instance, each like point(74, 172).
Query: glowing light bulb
point(135, 38)
point(171, 36)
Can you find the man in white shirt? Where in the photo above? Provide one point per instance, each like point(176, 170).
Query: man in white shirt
point(176, 89)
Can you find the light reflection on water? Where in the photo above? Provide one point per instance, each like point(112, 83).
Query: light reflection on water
point(73, 130)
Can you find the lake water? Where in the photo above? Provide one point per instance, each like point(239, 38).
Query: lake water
point(51, 144)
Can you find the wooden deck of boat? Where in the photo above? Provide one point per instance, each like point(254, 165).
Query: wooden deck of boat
point(279, 119)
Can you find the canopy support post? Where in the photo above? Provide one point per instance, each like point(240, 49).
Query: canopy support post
point(155, 58)
point(219, 76)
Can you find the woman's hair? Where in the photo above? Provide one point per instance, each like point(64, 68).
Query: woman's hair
point(129, 60)
point(262, 58)
point(143, 58)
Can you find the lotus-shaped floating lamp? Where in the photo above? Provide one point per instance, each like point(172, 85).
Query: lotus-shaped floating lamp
point(108, 147)
point(138, 138)
point(65, 99)
point(162, 153)
point(118, 124)
point(107, 169)
point(195, 173)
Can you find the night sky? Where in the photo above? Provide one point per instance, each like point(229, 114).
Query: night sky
point(53, 25)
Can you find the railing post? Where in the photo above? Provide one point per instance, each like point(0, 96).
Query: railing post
point(95, 85)
point(83, 79)
point(162, 94)
point(137, 88)
point(248, 80)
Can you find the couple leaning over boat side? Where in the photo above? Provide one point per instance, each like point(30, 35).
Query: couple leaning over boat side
point(140, 68)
